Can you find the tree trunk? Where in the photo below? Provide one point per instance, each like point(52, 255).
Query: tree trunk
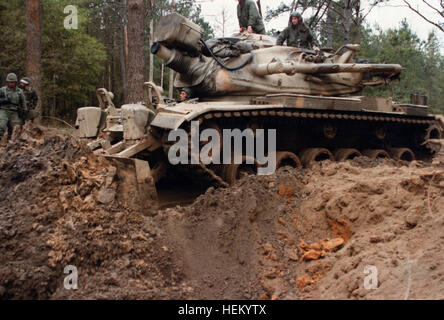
point(151, 74)
point(356, 35)
point(347, 21)
point(108, 42)
point(123, 53)
point(330, 28)
point(161, 74)
point(136, 45)
point(352, 21)
point(34, 47)
point(170, 91)
point(122, 58)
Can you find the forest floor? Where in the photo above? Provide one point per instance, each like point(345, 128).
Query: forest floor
point(362, 229)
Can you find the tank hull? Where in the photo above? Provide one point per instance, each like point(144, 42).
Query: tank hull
point(323, 127)
point(249, 84)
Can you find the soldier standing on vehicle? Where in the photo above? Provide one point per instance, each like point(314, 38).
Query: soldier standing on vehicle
point(12, 104)
point(298, 34)
point(30, 94)
point(249, 17)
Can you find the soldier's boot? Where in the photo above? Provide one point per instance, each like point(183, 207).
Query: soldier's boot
point(16, 132)
point(4, 139)
point(4, 119)
point(16, 125)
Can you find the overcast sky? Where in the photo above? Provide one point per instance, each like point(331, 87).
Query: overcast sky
point(386, 16)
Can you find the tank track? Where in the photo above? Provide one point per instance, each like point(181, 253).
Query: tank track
point(200, 171)
point(280, 117)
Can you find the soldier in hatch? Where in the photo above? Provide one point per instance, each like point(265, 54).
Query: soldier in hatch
point(297, 34)
point(249, 17)
point(184, 94)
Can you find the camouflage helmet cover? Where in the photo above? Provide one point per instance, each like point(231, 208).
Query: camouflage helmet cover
point(12, 77)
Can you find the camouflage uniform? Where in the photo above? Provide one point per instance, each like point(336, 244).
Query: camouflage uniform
point(248, 15)
point(31, 99)
point(12, 102)
point(299, 36)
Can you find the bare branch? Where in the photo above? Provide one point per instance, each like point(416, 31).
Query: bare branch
point(370, 10)
point(323, 13)
point(292, 5)
point(316, 20)
point(317, 13)
point(441, 13)
point(222, 23)
point(422, 16)
point(339, 13)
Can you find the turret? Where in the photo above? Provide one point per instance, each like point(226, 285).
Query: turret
point(252, 65)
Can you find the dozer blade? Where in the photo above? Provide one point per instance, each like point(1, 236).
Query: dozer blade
point(137, 185)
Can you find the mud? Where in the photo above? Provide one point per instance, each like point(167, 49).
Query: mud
point(297, 234)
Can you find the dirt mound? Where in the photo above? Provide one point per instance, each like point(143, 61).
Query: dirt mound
point(63, 206)
point(396, 219)
point(312, 234)
point(297, 234)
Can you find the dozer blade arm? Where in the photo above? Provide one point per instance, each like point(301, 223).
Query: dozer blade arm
point(139, 184)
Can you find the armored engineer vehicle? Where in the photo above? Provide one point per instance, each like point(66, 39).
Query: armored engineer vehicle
point(311, 99)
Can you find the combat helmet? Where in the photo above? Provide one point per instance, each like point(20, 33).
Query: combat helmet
point(297, 15)
point(26, 80)
point(12, 77)
point(187, 90)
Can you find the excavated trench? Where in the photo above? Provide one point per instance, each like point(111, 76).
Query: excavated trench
point(296, 234)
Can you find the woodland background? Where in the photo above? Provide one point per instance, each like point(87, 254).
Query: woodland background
point(110, 48)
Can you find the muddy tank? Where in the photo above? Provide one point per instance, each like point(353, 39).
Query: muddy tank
point(310, 98)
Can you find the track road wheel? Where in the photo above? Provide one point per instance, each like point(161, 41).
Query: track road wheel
point(376, 153)
point(286, 158)
point(346, 154)
point(315, 154)
point(234, 172)
point(402, 154)
point(432, 134)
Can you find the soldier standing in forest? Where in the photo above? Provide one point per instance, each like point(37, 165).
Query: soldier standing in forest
point(249, 17)
point(31, 97)
point(297, 34)
point(12, 104)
